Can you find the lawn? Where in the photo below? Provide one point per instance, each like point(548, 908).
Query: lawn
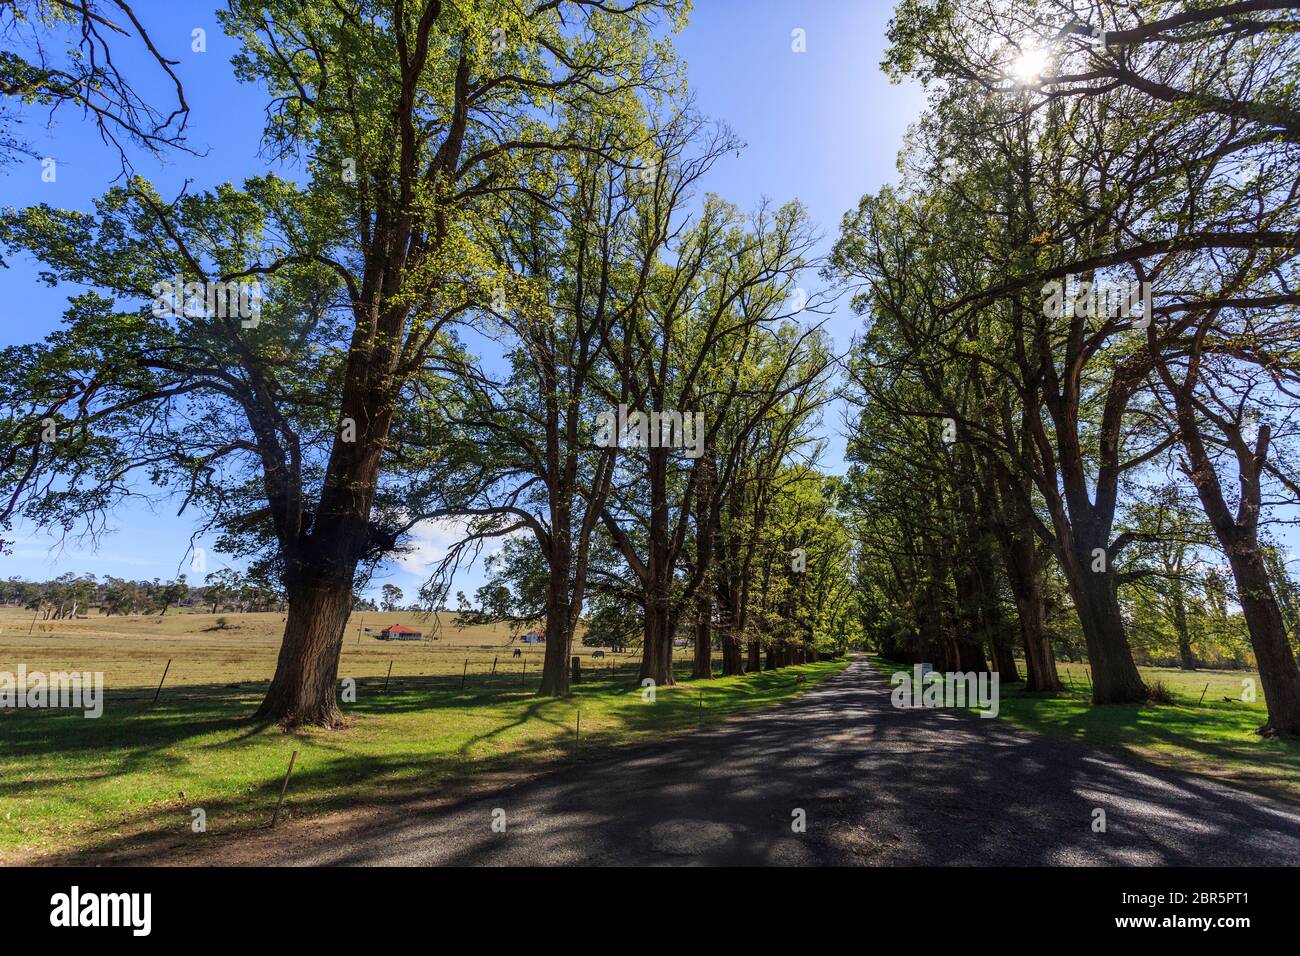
point(70, 784)
point(1213, 736)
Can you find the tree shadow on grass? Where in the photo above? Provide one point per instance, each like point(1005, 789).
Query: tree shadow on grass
point(1220, 739)
point(152, 739)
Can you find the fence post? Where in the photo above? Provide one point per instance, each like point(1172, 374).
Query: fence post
point(390, 674)
point(275, 818)
point(160, 683)
point(463, 673)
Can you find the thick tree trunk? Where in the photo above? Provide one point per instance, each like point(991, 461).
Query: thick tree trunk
point(1024, 565)
point(657, 647)
point(1004, 660)
point(303, 691)
point(555, 663)
point(993, 624)
point(1040, 661)
point(706, 538)
point(733, 633)
point(1115, 678)
point(1277, 668)
point(755, 663)
point(703, 669)
point(732, 663)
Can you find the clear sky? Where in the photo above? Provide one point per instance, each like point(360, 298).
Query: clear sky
point(822, 126)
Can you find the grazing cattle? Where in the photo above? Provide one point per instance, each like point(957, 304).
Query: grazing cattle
point(518, 652)
point(598, 654)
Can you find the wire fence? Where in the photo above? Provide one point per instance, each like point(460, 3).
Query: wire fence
point(473, 673)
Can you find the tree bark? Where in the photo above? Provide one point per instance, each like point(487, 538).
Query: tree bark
point(1115, 678)
point(657, 651)
point(703, 669)
point(555, 663)
point(302, 691)
point(1277, 668)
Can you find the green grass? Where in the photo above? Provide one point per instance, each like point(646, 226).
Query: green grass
point(1213, 737)
point(71, 785)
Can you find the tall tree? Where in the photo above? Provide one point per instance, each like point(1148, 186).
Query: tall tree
point(414, 120)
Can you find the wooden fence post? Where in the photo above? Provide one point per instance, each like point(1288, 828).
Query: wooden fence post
point(275, 818)
point(160, 683)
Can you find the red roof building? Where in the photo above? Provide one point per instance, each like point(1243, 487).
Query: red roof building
point(395, 632)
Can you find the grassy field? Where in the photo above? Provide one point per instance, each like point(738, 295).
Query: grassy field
point(133, 652)
point(133, 776)
point(1213, 736)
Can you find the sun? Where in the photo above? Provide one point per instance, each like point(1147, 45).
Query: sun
point(1029, 66)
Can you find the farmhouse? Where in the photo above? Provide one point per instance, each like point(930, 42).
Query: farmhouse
point(395, 632)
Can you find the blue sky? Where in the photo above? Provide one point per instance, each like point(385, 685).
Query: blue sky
point(822, 126)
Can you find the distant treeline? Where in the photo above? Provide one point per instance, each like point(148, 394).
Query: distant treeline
point(71, 595)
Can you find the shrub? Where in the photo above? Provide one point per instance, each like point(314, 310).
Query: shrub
point(1159, 693)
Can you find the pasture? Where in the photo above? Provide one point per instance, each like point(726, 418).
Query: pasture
point(131, 779)
point(133, 651)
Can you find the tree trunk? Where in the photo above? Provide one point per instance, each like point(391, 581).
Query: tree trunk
point(555, 663)
point(1238, 535)
point(303, 689)
point(1186, 658)
point(1004, 660)
point(657, 647)
point(755, 657)
point(1040, 662)
point(1115, 678)
point(733, 634)
point(706, 534)
point(703, 637)
point(1277, 668)
point(732, 663)
point(1024, 563)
